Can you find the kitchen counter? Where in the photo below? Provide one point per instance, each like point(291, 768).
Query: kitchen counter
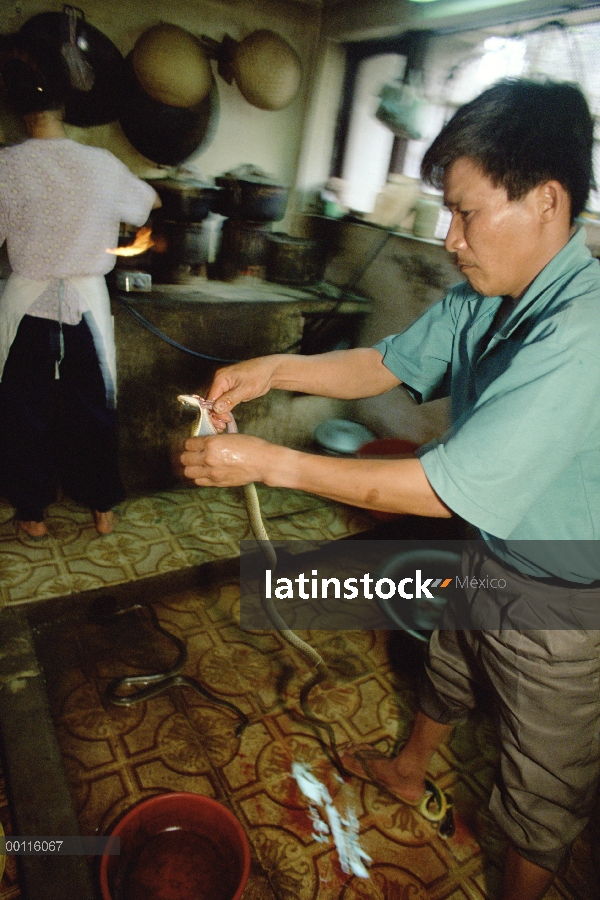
point(226, 321)
point(253, 290)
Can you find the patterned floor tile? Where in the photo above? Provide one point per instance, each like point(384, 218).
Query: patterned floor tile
point(156, 534)
point(181, 740)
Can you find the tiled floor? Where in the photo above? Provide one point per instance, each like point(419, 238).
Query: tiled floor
point(179, 741)
point(160, 533)
point(116, 756)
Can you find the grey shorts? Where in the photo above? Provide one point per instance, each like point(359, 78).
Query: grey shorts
point(546, 686)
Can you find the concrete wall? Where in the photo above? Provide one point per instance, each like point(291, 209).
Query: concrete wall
point(244, 134)
point(225, 322)
point(314, 165)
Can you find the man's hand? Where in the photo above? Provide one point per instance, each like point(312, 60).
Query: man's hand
point(239, 383)
point(389, 485)
point(226, 460)
point(345, 374)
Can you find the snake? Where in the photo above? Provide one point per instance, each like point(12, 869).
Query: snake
point(149, 686)
point(436, 805)
point(201, 427)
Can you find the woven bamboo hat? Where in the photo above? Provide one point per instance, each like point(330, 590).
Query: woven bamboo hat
point(267, 70)
point(171, 66)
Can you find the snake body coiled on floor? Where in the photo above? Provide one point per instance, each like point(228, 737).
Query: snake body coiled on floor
point(146, 687)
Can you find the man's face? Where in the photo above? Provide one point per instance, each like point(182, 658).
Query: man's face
point(496, 240)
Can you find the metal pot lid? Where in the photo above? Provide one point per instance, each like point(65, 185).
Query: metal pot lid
point(252, 174)
point(342, 435)
point(183, 185)
point(83, 108)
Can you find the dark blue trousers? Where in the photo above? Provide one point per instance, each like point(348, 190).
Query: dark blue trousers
point(56, 431)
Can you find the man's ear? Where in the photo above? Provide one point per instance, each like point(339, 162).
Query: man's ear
point(552, 200)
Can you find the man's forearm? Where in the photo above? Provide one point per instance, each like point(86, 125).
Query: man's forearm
point(345, 374)
point(389, 485)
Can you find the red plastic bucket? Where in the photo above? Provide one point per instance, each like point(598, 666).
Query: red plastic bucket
point(386, 448)
point(178, 846)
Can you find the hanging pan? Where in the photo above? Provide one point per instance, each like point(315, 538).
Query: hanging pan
point(95, 64)
point(167, 135)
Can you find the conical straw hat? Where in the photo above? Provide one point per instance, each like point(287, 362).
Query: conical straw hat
point(171, 66)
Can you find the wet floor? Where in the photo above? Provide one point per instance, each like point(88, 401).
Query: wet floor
point(180, 740)
point(176, 551)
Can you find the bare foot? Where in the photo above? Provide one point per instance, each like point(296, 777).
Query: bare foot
point(33, 529)
point(105, 521)
point(400, 778)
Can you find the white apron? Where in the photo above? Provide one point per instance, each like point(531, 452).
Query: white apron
point(20, 292)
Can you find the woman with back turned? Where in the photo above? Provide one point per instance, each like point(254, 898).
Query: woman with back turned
point(61, 204)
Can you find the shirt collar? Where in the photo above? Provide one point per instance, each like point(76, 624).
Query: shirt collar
point(572, 257)
point(569, 260)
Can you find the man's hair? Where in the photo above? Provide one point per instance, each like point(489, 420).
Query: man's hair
point(521, 133)
point(34, 77)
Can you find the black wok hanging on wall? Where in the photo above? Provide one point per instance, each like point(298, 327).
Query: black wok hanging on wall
point(169, 104)
point(95, 64)
point(166, 135)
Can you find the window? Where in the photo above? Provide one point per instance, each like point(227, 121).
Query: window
point(454, 69)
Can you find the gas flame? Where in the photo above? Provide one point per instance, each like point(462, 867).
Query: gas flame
point(142, 242)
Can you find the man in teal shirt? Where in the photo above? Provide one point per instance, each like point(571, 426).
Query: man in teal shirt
point(517, 347)
point(524, 444)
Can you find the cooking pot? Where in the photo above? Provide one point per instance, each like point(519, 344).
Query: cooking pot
point(183, 250)
point(167, 135)
point(99, 105)
point(243, 249)
point(185, 200)
point(252, 197)
point(293, 260)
